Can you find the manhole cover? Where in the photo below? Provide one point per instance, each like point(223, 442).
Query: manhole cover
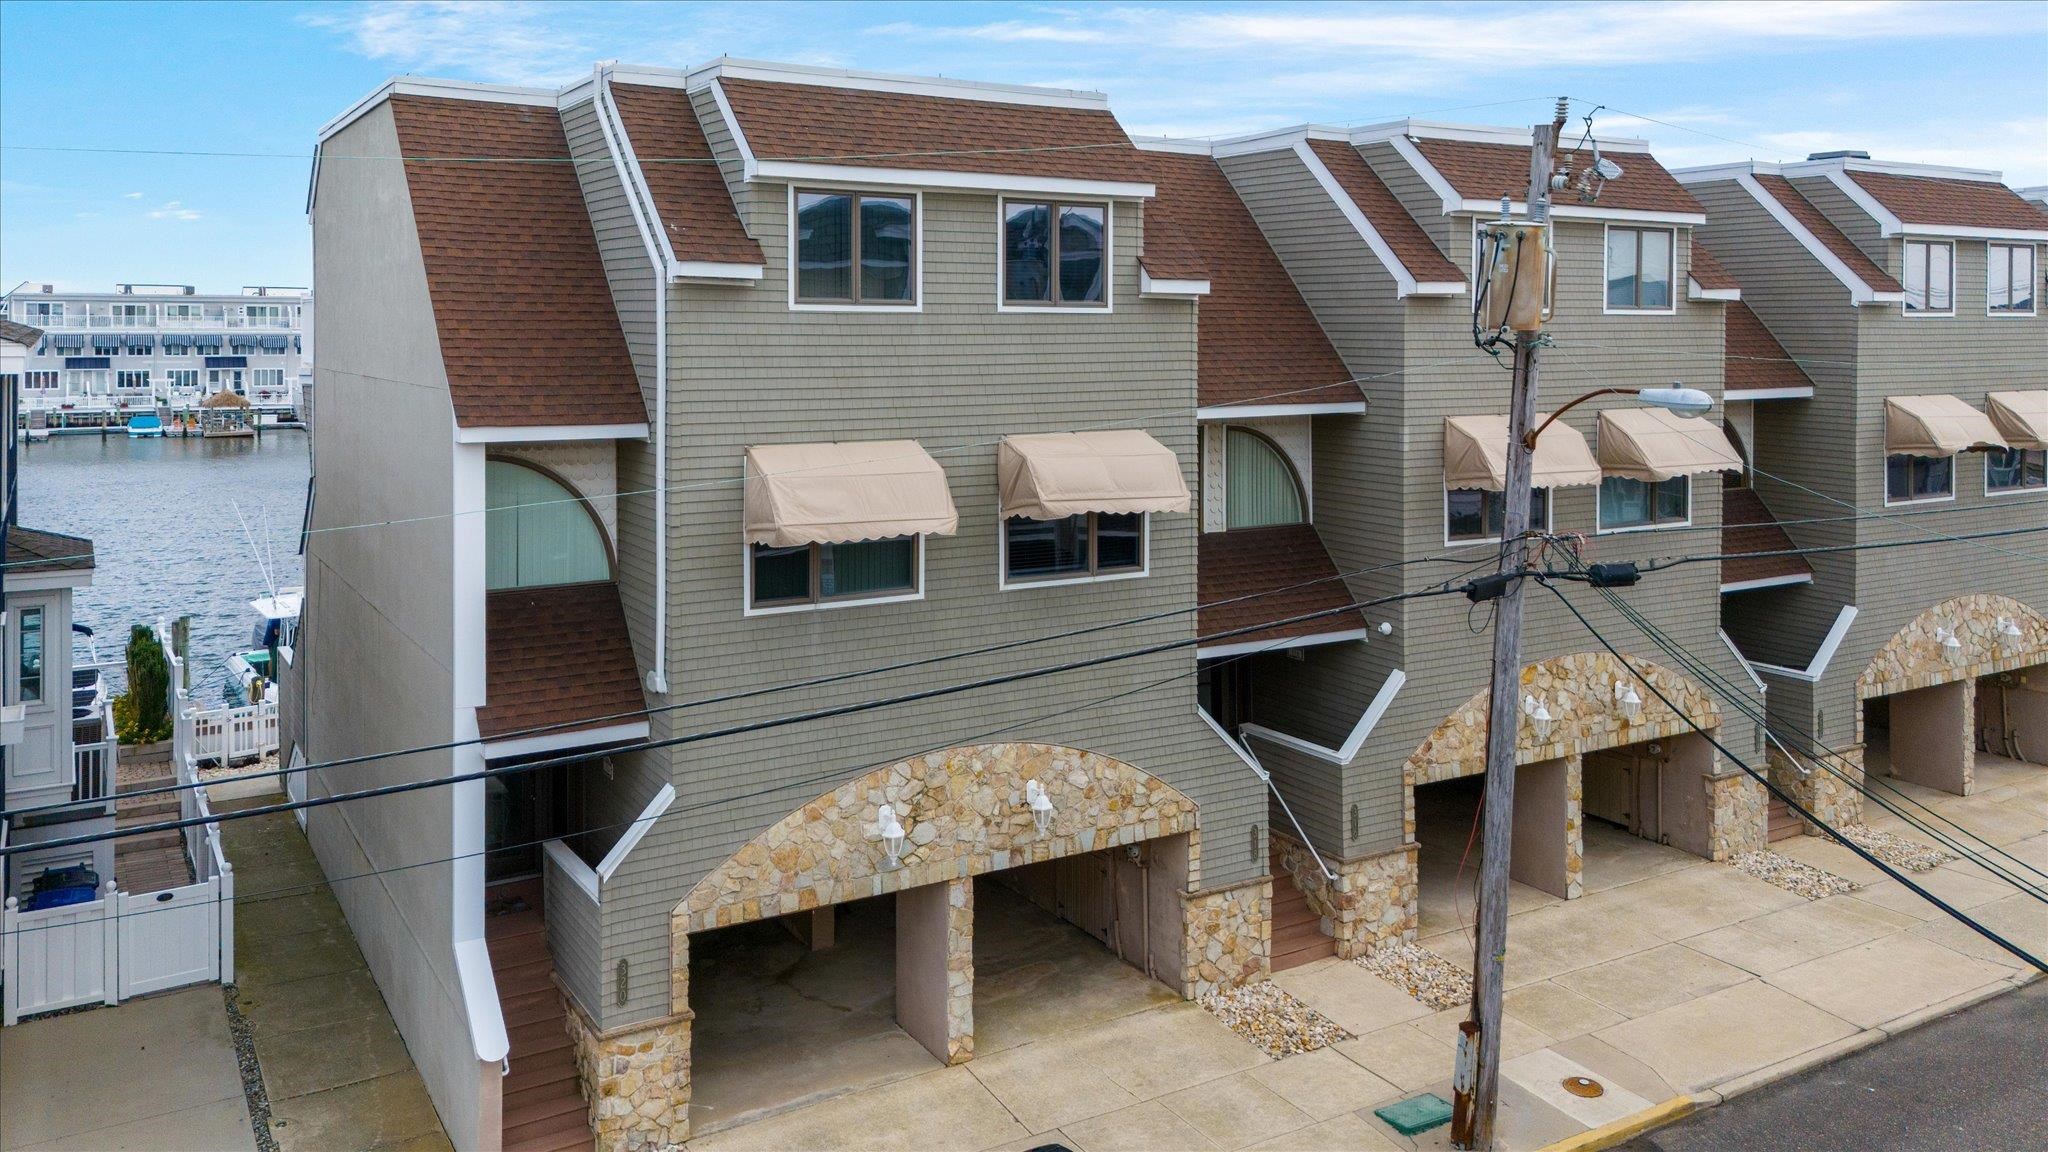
point(1583, 1086)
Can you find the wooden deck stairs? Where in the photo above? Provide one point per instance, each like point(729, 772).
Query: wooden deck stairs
point(543, 1099)
point(1783, 824)
point(150, 861)
point(1297, 930)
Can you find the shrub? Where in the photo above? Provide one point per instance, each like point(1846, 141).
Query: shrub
point(143, 716)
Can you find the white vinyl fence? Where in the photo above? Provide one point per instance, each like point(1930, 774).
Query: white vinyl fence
point(223, 734)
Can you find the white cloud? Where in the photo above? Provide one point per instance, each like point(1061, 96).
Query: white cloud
point(132, 196)
point(482, 40)
point(1000, 32)
point(173, 210)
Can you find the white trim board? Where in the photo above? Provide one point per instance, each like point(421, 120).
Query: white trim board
point(541, 433)
point(443, 90)
point(1345, 753)
point(573, 867)
point(1747, 670)
point(1860, 293)
point(1766, 582)
point(641, 824)
point(1169, 289)
point(566, 741)
point(1405, 284)
point(1802, 393)
point(1693, 291)
point(1222, 412)
point(1818, 666)
point(797, 171)
point(1253, 647)
point(866, 81)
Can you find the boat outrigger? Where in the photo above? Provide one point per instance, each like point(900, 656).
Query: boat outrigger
point(275, 631)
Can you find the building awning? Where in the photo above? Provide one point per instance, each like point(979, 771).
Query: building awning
point(139, 341)
point(1936, 426)
point(273, 343)
point(1476, 454)
point(244, 343)
point(171, 341)
point(842, 493)
point(206, 343)
point(1652, 444)
point(67, 340)
point(2021, 416)
point(1053, 475)
point(106, 343)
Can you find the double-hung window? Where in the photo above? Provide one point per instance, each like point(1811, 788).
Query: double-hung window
point(1472, 514)
point(132, 381)
point(1078, 547)
point(45, 314)
point(811, 574)
point(854, 248)
point(1626, 503)
point(131, 315)
point(266, 377)
point(1055, 254)
point(2009, 279)
point(184, 378)
point(31, 671)
point(1909, 478)
point(2008, 470)
point(264, 315)
point(1930, 278)
point(1639, 269)
point(44, 380)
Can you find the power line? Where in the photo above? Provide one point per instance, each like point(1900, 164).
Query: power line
point(1791, 802)
point(739, 729)
point(1825, 549)
point(1884, 515)
point(813, 682)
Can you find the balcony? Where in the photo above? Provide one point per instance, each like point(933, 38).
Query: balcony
point(95, 755)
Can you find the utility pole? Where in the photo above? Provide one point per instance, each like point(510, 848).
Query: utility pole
point(1477, 1076)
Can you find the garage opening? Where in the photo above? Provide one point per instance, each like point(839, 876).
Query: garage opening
point(1448, 848)
point(1923, 737)
point(2012, 716)
point(1646, 809)
point(794, 1009)
point(1070, 943)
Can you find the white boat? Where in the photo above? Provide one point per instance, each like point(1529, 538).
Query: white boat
point(276, 630)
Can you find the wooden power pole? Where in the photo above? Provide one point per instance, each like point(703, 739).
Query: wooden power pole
point(1478, 1072)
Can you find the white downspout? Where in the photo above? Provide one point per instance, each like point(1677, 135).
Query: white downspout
point(663, 263)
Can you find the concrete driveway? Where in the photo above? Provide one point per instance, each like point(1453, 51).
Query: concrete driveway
point(157, 1073)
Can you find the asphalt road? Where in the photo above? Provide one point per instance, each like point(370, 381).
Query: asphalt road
point(1976, 1081)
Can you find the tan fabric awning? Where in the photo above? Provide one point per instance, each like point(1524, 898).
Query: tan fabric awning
point(2021, 416)
point(1054, 475)
point(842, 493)
point(1936, 426)
point(1653, 444)
point(1476, 454)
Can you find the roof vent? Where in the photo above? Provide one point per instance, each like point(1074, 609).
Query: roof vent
point(1840, 154)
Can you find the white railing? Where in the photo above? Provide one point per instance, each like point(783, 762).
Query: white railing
point(224, 735)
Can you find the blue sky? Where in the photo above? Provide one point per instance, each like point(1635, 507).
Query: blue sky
point(1951, 83)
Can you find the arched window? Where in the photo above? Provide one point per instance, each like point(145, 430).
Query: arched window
point(1261, 488)
point(537, 532)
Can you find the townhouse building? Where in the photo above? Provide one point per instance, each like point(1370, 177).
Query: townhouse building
point(697, 385)
point(1909, 294)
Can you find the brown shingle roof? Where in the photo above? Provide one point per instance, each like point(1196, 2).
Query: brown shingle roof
point(1755, 359)
point(689, 192)
point(1707, 270)
point(1486, 171)
point(1950, 203)
point(1748, 526)
point(33, 550)
point(1831, 237)
point(805, 122)
point(528, 333)
point(1257, 341)
point(1424, 261)
point(1286, 563)
point(557, 656)
point(19, 333)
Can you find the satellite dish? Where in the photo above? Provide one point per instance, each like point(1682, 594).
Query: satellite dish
point(1607, 169)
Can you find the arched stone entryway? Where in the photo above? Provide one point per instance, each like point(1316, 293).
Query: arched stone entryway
point(964, 812)
point(1929, 685)
point(1699, 808)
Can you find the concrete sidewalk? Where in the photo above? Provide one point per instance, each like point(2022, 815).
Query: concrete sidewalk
point(336, 1073)
point(1683, 979)
point(157, 1074)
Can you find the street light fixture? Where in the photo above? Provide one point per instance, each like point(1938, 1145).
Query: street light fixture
point(1677, 398)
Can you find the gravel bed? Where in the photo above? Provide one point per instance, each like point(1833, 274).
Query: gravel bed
point(1274, 1021)
point(1794, 876)
point(252, 1073)
point(1897, 851)
point(1423, 974)
point(265, 763)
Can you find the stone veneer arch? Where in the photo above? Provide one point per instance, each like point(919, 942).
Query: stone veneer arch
point(1913, 658)
point(963, 813)
point(1579, 692)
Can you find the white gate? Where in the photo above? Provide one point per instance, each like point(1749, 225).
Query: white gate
point(58, 957)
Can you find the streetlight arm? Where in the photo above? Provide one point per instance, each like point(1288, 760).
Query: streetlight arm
point(1529, 441)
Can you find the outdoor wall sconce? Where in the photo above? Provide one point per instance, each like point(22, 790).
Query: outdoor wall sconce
point(1627, 702)
point(1951, 648)
point(1040, 805)
point(1539, 716)
point(890, 830)
point(2008, 633)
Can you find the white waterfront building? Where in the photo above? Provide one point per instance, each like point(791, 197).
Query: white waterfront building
point(106, 356)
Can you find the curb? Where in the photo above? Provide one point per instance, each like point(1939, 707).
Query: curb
point(1626, 1128)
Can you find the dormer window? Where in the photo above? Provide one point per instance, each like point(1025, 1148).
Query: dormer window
point(1639, 269)
point(1930, 278)
point(854, 249)
point(1055, 254)
point(2009, 279)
